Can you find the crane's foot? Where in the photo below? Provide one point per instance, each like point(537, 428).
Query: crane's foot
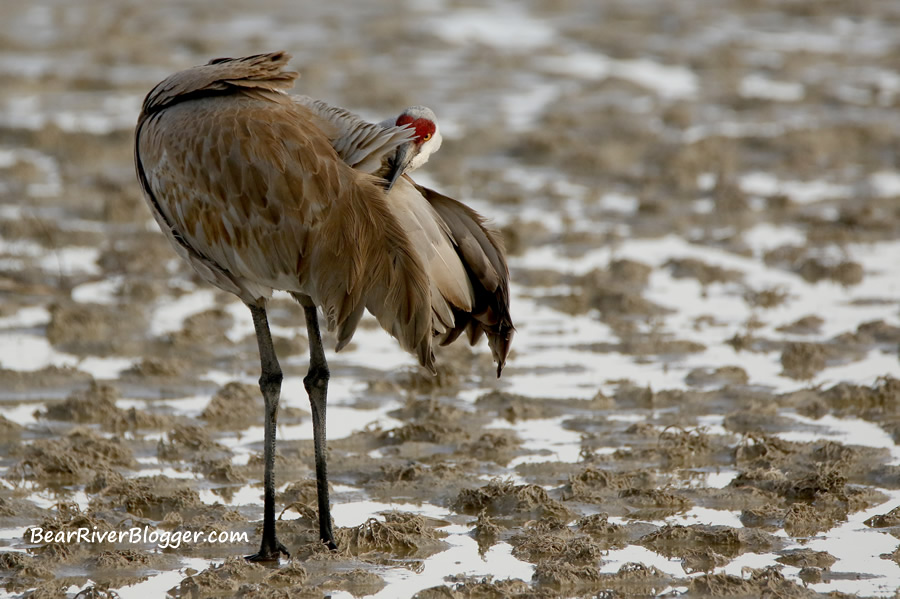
point(269, 552)
point(326, 535)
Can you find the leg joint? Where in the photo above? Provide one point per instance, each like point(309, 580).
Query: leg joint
point(270, 382)
point(316, 378)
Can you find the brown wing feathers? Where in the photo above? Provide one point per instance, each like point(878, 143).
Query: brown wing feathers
point(221, 75)
point(481, 251)
point(370, 260)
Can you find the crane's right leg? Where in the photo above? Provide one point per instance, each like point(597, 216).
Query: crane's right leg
point(270, 385)
point(316, 383)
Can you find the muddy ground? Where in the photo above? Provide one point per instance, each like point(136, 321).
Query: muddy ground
point(585, 129)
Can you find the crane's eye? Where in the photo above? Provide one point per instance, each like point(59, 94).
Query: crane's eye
point(427, 137)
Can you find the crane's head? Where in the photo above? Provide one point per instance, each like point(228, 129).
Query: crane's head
point(414, 153)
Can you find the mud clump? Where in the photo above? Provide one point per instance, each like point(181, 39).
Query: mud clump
point(120, 559)
point(877, 332)
point(846, 273)
point(9, 429)
point(762, 452)
point(597, 486)
point(188, 440)
point(76, 457)
point(431, 410)
point(814, 269)
point(806, 558)
point(767, 517)
point(202, 518)
point(598, 527)
point(483, 588)
point(450, 373)
point(760, 583)
point(486, 532)
point(426, 432)
point(255, 582)
point(612, 303)
point(153, 368)
point(204, 329)
point(44, 378)
point(220, 470)
point(66, 522)
point(723, 375)
point(536, 545)
point(400, 534)
point(358, 582)
point(540, 277)
point(705, 274)
point(236, 406)
point(503, 499)
point(149, 497)
point(871, 403)
point(807, 484)
point(756, 418)
point(23, 571)
point(681, 541)
point(799, 486)
point(431, 421)
point(97, 329)
point(514, 408)
point(289, 575)
point(219, 581)
point(142, 256)
point(632, 579)
point(498, 446)
point(635, 579)
point(765, 298)
point(808, 325)
point(626, 272)
point(653, 504)
point(803, 360)
point(415, 479)
point(614, 292)
point(97, 405)
point(561, 575)
point(629, 396)
point(804, 520)
point(888, 520)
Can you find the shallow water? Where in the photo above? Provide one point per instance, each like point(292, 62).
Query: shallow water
point(680, 187)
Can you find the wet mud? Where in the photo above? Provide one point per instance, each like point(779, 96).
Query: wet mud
point(736, 151)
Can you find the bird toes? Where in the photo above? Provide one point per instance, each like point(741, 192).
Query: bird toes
point(268, 553)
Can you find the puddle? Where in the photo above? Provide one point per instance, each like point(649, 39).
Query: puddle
point(700, 212)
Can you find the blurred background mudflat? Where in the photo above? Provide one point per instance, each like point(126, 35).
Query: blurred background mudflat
point(702, 205)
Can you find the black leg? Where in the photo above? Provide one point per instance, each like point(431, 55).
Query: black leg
point(270, 385)
point(316, 383)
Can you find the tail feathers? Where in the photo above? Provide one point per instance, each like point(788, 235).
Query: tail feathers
point(368, 262)
point(220, 75)
point(481, 250)
point(500, 340)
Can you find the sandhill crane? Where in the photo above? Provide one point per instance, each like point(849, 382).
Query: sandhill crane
point(261, 191)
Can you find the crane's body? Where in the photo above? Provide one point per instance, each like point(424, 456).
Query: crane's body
point(259, 191)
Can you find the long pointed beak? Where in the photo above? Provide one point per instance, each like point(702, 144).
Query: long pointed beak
point(398, 162)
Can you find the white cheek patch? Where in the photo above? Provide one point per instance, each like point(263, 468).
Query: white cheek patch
point(428, 148)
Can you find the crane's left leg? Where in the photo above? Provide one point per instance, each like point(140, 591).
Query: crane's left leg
point(270, 385)
point(316, 383)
